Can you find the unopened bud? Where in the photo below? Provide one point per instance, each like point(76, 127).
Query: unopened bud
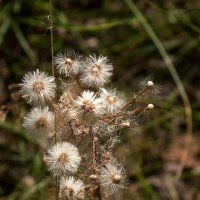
point(150, 83)
point(150, 107)
point(93, 177)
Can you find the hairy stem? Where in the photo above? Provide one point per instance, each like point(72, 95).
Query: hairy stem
point(142, 92)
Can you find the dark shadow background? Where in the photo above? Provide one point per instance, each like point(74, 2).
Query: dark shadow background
point(154, 151)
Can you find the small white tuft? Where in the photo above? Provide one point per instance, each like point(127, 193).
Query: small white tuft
point(71, 188)
point(63, 158)
point(68, 63)
point(97, 71)
point(87, 107)
point(112, 101)
point(112, 178)
point(40, 122)
point(38, 87)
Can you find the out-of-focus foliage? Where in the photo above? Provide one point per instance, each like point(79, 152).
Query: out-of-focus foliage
point(153, 152)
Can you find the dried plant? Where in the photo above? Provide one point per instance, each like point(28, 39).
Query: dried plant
point(78, 122)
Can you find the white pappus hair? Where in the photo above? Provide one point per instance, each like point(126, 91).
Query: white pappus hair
point(63, 158)
point(40, 122)
point(96, 72)
point(69, 64)
point(87, 107)
point(38, 87)
point(112, 101)
point(112, 178)
point(71, 188)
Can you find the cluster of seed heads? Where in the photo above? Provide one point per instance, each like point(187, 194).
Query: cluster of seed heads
point(78, 122)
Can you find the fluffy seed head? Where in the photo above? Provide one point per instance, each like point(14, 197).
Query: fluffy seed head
point(62, 158)
point(97, 71)
point(69, 63)
point(40, 122)
point(112, 102)
point(71, 188)
point(87, 107)
point(38, 87)
point(111, 178)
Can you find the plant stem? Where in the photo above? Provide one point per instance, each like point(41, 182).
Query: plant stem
point(94, 150)
point(51, 33)
point(94, 161)
point(53, 74)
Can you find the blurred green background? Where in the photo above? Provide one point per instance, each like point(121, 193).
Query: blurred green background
point(153, 153)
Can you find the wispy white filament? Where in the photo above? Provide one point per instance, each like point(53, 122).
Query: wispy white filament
point(38, 87)
point(40, 122)
point(63, 158)
point(71, 188)
point(97, 71)
point(69, 63)
point(112, 101)
point(87, 107)
point(111, 178)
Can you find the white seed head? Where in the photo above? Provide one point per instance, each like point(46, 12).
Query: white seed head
point(87, 107)
point(112, 101)
point(111, 178)
point(69, 63)
point(63, 158)
point(38, 87)
point(150, 84)
point(71, 188)
point(150, 107)
point(40, 122)
point(96, 72)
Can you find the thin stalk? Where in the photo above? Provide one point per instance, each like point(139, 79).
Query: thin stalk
point(94, 150)
point(78, 82)
point(53, 74)
point(168, 62)
point(51, 33)
point(142, 92)
point(94, 161)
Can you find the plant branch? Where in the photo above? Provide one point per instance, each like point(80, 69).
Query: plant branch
point(168, 62)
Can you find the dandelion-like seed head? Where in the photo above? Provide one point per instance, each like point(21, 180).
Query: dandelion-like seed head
point(149, 84)
point(38, 87)
point(97, 71)
point(40, 122)
point(69, 63)
point(63, 158)
point(71, 188)
point(112, 178)
point(111, 100)
point(87, 107)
